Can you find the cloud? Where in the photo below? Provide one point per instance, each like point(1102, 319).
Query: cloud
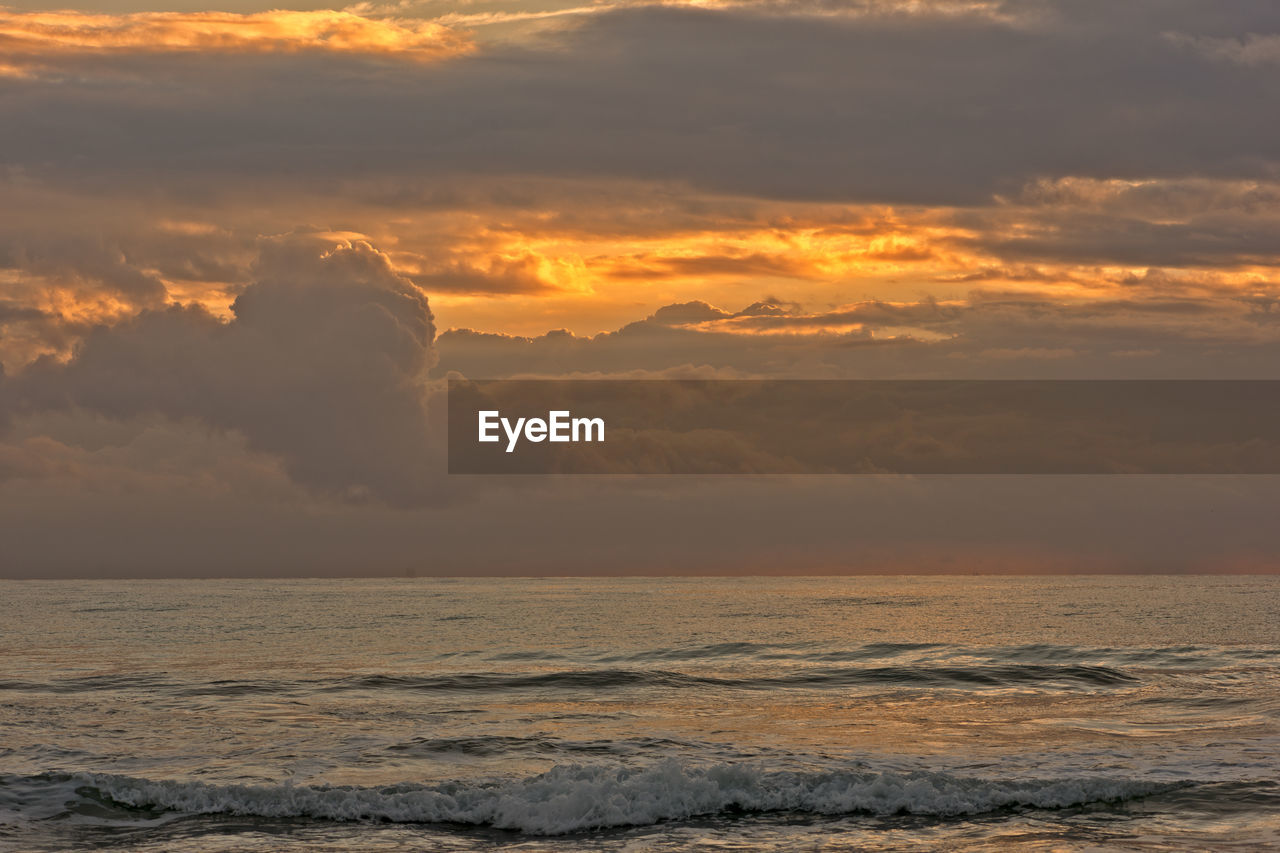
point(899, 108)
point(11, 312)
point(1180, 333)
point(492, 275)
point(104, 265)
point(323, 364)
point(685, 313)
point(47, 41)
point(1253, 49)
point(709, 265)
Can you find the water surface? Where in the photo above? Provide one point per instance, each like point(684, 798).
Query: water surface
point(637, 714)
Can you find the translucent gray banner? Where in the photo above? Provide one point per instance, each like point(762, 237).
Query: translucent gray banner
point(864, 427)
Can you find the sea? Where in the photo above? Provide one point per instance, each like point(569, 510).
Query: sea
point(950, 713)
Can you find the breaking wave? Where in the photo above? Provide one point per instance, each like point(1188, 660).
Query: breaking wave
point(572, 798)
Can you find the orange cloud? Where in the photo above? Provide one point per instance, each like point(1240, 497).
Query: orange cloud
point(36, 39)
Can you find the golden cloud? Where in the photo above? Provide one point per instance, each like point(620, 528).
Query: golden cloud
point(38, 39)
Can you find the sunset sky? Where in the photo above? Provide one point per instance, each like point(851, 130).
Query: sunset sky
point(241, 248)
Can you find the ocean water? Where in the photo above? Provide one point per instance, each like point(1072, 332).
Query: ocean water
point(967, 713)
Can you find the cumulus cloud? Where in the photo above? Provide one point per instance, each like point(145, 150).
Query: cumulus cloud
point(323, 364)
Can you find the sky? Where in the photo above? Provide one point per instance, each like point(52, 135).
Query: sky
point(241, 250)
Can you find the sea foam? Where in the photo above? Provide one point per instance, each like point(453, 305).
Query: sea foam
point(573, 798)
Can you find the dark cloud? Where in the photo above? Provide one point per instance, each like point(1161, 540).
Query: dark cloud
point(754, 264)
point(683, 313)
point(83, 258)
point(902, 108)
point(25, 329)
point(11, 312)
point(1150, 334)
point(323, 364)
point(499, 276)
point(1085, 237)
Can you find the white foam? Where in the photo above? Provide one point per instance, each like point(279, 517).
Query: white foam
point(572, 798)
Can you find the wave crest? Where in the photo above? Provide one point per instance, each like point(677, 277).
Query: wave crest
point(571, 798)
